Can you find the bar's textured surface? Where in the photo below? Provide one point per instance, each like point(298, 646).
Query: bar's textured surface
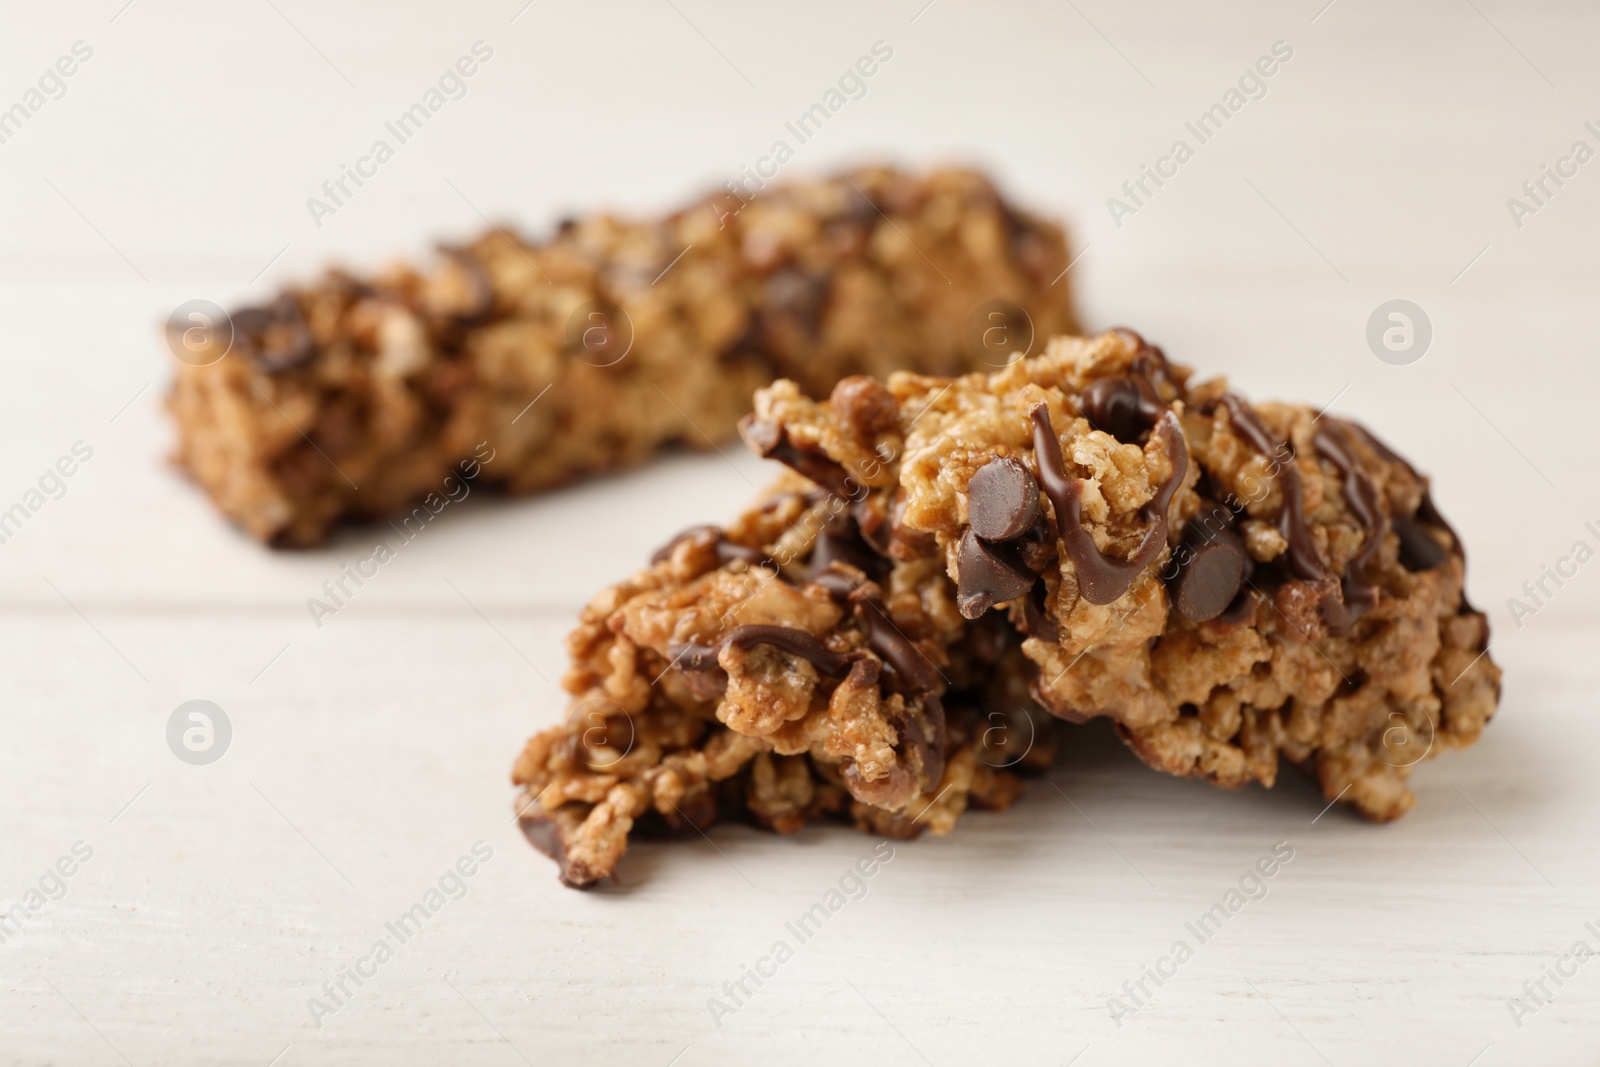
point(589, 351)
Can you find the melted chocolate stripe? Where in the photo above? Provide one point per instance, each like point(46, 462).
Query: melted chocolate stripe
point(727, 551)
point(1427, 512)
point(932, 748)
point(771, 441)
point(1361, 497)
point(903, 657)
point(693, 656)
point(793, 641)
point(836, 582)
point(908, 661)
point(1102, 579)
point(1304, 558)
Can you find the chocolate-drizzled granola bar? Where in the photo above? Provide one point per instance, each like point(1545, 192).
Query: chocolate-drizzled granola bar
point(1231, 584)
point(590, 350)
point(777, 672)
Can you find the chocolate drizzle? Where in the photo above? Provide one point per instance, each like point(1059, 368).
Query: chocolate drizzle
point(727, 551)
point(921, 737)
point(796, 642)
point(771, 441)
point(693, 656)
point(835, 582)
point(1304, 559)
point(1418, 549)
point(908, 662)
point(1361, 497)
point(912, 669)
point(1102, 579)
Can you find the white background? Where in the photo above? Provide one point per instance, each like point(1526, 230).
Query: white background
point(370, 754)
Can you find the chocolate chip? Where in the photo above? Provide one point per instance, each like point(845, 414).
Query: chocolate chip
point(988, 575)
point(728, 551)
point(1002, 500)
point(841, 542)
point(1209, 579)
point(1418, 549)
point(1242, 611)
point(1113, 405)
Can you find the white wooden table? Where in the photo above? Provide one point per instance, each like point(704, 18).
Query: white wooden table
point(369, 756)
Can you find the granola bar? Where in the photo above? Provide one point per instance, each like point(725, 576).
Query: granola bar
point(611, 339)
point(1232, 584)
point(774, 672)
